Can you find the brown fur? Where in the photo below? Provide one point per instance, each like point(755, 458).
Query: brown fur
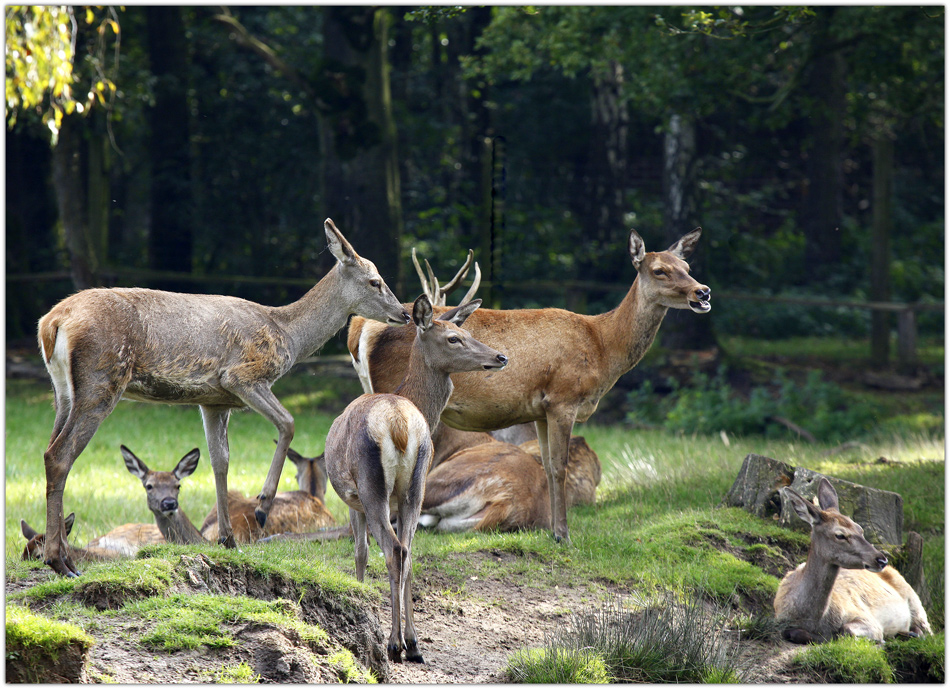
point(562, 363)
point(293, 512)
point(503, 487)
point(36, 545)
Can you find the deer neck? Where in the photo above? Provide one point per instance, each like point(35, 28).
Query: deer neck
point(815, 583)
point(178, 528)
point(315, 317)
point(426, 388)
point(629, 330)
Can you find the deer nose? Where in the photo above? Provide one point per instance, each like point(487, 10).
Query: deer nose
point(168, 504)
point(502, 359)
point(406, 317)
point(882, 561)
point(703, 294)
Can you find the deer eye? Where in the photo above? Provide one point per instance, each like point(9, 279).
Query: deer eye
point(658, 272)
point(841, 537)
point(454, 340)
point(148, 486)
point(374, 283)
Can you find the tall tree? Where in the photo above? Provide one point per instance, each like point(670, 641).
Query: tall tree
point(171, 231)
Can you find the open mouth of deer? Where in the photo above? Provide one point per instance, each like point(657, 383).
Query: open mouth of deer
point(699, 301)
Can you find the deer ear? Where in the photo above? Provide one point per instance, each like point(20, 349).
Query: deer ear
point(459, 314)
point(684, 247)
point(827, 495)
point(804, 509)
point(187, 464)
point(339, 247)
point(69, 521)
point(422, 312)
point(135, 465)
point(28, 531)
point(637, 250)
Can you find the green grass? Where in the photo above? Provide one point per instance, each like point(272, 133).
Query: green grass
point(847, 659)
point(37, 641)
point(657, 524)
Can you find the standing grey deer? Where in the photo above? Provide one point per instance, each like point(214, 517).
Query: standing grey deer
point(217, 352)
point(379, 449)
point(562, 363)
point(845, 586)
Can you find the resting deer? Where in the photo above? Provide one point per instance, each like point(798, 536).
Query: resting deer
point(379, 449)
point(293, 511)
point(845, 587)
point(122, 541)
point(562, 363)
point(500, 486)
point(217, 352)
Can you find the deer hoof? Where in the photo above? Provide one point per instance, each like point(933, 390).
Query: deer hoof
point(227, 542)
point(261, 516)
point(412, 653)
point(394, 652)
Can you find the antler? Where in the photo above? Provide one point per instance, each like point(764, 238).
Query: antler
point(430, 285)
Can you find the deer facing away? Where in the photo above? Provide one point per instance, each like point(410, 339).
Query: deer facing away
point(379, 449)
point(293, 511)
point(562, 363)
point(500, 486)
point(845, 587)
point(217, 352)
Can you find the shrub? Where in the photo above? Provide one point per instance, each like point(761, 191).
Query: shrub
point(710, 405)
point(557, 666)
point(666, 641)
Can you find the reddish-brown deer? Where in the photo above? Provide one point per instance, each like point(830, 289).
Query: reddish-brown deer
point(562, 363)
point(122, 541)
point(379, 449)
point(217, 352)
point(498, 486)
point(845, 587)
point(293, 511)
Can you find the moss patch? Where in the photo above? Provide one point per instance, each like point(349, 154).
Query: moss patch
point(41, 650)
point(847, 659)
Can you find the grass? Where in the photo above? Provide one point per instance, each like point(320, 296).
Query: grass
point(38, 643)
point(846, 659)
point(657, 524)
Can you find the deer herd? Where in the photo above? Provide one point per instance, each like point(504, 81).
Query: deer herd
point(459, 428)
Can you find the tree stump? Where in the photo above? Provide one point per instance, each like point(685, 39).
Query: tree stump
point(757, 489)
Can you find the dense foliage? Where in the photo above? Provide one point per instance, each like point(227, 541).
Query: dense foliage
point(535, 135)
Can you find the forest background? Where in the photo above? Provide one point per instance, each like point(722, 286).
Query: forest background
point(200, 148)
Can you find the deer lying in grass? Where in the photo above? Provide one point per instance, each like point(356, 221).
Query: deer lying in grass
point(217, 352)
point(292, 511)
point(845, 587)
point(500, 486)
point(379, 449)
point(562, 363)
point(122, 541)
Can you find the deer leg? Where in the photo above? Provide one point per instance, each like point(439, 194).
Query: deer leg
point(560, 423)
point(407, 521)
point(541, 426)
point(81, 423)
point(263, 401)
point(377, 520)
point(358, 526)
point(215, 421)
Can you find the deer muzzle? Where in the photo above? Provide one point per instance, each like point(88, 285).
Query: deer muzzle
point(699, 300)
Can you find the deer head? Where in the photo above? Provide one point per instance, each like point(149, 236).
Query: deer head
point(835, 539)
point(665, 274)
point(378, 302)
point(161, 487)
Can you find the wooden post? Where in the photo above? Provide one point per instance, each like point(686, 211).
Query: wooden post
point(906, 340)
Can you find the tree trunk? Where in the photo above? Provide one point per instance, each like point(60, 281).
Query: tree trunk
point(361, 184)
point(683, 330)
point(71, 199)
point(170, 241)
point(824, 84)
point(883, 150)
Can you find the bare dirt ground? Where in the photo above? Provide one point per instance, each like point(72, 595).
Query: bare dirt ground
point(466, 635)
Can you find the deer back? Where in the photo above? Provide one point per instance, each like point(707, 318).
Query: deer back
point(293, 512)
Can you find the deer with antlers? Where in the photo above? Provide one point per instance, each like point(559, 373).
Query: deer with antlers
point(845, 587)
point(562, 363)
point(220, 353)
point(379, 449)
